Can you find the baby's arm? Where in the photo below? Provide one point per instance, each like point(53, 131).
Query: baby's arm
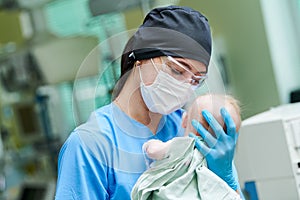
point(156, 149)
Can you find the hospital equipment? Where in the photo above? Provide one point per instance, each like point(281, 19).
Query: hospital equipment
point(268, 154)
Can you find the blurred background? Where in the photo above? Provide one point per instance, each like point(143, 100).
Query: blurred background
point(59, 60)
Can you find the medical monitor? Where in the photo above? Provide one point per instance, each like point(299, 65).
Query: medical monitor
point(268, 153)
point(28, 122)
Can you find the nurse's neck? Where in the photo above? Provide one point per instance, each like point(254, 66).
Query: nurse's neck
point(131, 103)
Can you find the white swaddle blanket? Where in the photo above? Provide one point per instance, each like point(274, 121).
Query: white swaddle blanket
point(182, 174)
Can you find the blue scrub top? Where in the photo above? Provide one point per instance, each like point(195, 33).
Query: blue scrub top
point(103, 158)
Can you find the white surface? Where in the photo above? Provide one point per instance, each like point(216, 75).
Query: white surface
point(268, 152)
point(283, 112)
point(282, 30)
point(278, 189)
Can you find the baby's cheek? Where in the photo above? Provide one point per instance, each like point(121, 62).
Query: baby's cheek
point(211, 132)
point(193, 131)
point(196, 133)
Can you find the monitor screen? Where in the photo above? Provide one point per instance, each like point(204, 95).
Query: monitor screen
point(28, 121)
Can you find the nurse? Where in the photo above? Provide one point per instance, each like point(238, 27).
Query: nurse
point(162, 64)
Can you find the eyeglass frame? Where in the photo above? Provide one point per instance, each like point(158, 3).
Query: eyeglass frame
point(201, 78)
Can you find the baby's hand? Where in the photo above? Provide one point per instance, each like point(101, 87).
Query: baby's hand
point(156, 149)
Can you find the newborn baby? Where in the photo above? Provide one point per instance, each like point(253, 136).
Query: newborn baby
point(180, 171)
point(157, 150)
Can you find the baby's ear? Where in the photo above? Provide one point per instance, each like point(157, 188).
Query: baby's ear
point(184, 120)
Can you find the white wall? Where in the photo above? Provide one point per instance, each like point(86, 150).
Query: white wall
point(282, 25)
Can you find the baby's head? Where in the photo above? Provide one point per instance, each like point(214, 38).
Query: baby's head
point(212, 103)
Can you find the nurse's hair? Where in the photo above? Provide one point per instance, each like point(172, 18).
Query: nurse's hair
point(127, 62)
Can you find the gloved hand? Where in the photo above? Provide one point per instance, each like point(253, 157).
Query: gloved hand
point(218, 151)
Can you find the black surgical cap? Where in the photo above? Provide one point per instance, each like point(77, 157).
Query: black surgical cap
point(172, 31)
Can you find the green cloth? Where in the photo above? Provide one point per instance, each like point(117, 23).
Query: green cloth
point(182, 174)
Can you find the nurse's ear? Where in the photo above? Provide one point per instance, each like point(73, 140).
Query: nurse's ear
point(138, 63)
point(184, 120)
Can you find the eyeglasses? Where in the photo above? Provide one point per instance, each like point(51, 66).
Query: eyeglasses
point(182, 73)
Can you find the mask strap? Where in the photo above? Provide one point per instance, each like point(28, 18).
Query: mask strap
point(163, 63)
point(154, 65)
point(140, 73)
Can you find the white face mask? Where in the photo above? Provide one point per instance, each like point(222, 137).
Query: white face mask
point(166, 94)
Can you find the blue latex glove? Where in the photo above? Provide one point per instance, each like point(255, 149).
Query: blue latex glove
point(218, 151)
